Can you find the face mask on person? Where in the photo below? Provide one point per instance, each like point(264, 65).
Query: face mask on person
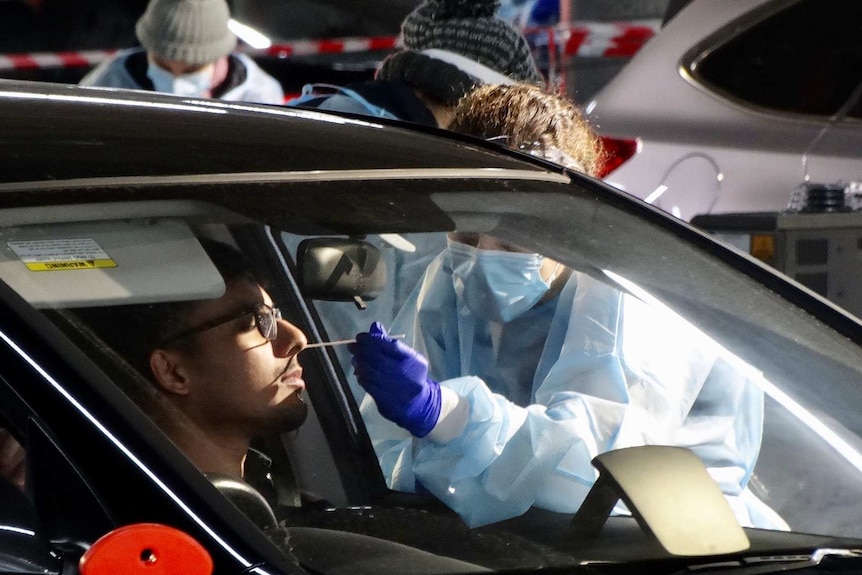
point(497, 285)
point(193, 84)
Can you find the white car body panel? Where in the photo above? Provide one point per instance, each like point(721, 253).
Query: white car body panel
point(751, 159)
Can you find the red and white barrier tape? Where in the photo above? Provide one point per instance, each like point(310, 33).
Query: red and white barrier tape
point(596, 39)
point(588, 39)
point(335, 46)
point(38, 60)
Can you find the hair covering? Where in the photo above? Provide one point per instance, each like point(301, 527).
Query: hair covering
point(453, 45)
point(188, 31)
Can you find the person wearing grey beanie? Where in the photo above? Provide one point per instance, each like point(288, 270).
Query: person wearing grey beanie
point(450, 47)
point(187, 49)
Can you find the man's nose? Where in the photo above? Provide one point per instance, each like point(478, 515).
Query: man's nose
point(289, 341)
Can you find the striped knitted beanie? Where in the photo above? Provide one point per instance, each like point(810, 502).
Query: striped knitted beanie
point(466, 44)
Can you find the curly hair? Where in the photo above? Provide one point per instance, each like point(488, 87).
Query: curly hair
point(529, 118)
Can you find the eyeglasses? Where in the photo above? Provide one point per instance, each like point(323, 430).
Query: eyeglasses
point(265, 319)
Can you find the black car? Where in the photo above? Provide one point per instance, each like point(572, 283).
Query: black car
point(106, 199)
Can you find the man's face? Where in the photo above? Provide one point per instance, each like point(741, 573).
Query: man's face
point(237, 380)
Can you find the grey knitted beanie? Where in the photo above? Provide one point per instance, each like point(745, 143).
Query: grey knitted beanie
point(472, 29)
point(190, 31)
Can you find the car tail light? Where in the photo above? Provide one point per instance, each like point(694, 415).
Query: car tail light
point(617, 151)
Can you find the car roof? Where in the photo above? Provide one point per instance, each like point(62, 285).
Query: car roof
point(87, 133)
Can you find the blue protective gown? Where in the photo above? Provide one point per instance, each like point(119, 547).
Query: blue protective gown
point(613, 372)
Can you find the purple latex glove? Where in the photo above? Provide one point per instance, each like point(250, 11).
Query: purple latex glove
point(396, 376)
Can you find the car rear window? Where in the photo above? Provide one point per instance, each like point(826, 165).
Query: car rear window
point(804, 59)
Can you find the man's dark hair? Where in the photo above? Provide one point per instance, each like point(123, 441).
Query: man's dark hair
point(134, 331)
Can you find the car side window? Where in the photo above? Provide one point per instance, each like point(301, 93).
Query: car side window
point(21, 539)
point(801, 60)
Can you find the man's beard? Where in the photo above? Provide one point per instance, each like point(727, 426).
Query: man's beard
point(291, 414)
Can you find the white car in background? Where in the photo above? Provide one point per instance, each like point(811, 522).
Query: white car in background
point(735, 104)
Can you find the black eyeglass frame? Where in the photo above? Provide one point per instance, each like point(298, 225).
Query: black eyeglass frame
point(259, 311)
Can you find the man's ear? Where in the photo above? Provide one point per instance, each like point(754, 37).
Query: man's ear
point(166, 367)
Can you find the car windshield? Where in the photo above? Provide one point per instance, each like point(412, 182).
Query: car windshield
point(652, 311)
point(572, 323)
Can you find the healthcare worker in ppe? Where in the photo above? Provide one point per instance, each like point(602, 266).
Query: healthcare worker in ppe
point(615, 369)
point(541, 367)
point(187, 50)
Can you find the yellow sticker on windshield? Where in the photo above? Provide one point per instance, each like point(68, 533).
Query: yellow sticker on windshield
point(61, 254)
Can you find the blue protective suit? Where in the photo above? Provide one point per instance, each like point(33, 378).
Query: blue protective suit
point(612, 372)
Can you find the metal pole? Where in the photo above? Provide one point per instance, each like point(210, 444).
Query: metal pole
point(566, 21)
point(566, 11)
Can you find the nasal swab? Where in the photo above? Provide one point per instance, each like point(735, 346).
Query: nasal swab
point(344, 341)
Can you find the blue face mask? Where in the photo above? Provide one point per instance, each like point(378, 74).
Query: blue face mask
point(496, 285)
point(194, 84)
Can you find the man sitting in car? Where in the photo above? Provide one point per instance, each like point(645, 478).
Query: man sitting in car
point(221, 372)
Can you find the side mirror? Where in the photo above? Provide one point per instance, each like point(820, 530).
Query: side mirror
point(338, 269)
